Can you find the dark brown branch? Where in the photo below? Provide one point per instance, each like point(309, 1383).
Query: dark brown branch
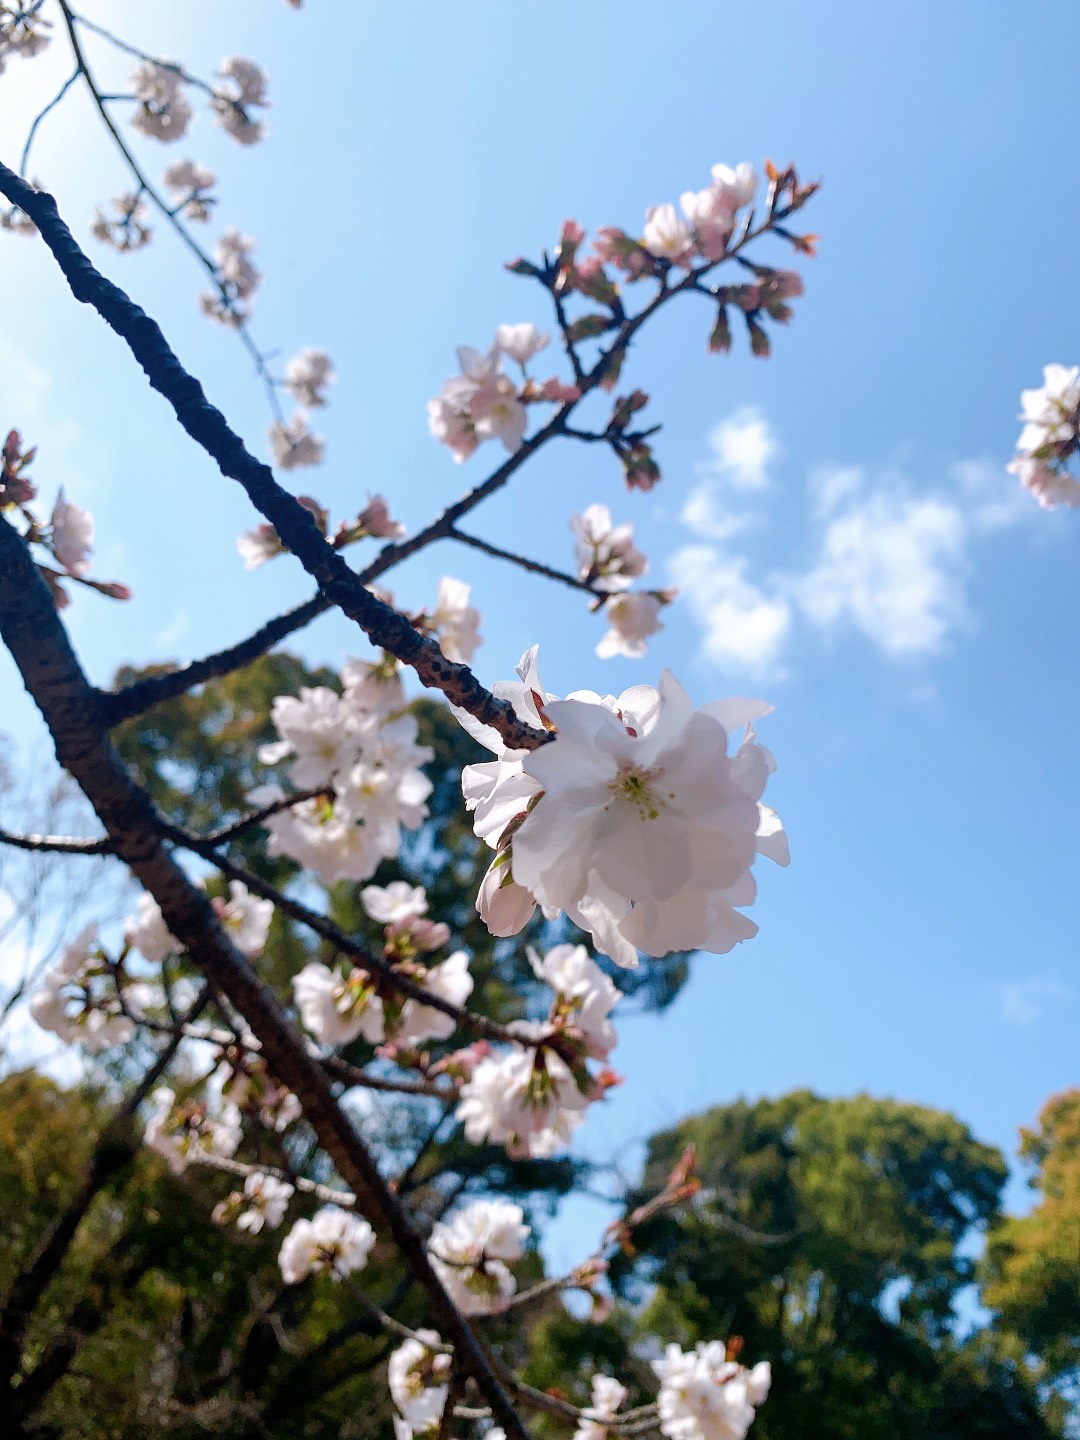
point(134, 699)
point(59, 844)
point(535, 567)
point(207, 426)
point(32, 631)
point(340, 939)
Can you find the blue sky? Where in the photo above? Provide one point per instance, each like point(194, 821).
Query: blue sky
point(838, 518)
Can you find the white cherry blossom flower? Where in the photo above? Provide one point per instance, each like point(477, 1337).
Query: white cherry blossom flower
point(307, 375)
point(705, 1396)
point(190, 183)
point(266, 1199)
point(245, 87)
point(181, 1132)
point(471, 1253)
point(419, 1379)
point(666, 236)
point(294, 445)
point(336, 1008)
point(164, 111)
point(259, 545)
point(585, 996)
point(147, 932)
point(72, 536)
point(74, 1007)
point(607, 1396)
point(455, 621)
point(529, 1102)
point(396, 901)
point(450, 981)
point(246, 919)
point(521, 342)
point(606, 555)
point(739, 185)
point(128, 227)
point(633, 618)
point(332, 1242)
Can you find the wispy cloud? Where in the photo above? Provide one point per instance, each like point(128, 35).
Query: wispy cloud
point(1023, 1001)
point(889, 559)
point(743, 627)
point(890, 565)
point(740, 449)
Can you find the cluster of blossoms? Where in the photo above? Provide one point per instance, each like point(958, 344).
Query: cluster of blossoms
point(128, 227)
point(22, 31)
point(84, 998)
point(705, 1395)
point(293, 444)
point(333, 1242)
point(338, 1005)
point(245, 88)
point(165, 112)
point(608, 560)
point(483, 403)
point(607, 1396)
point(532, 1097)
point(709, 218)
point(263, 543)
point(472, 1251)
point(635, 822)
point(1051, 434)
point(361, 752)
point(262, 1202)
point(183, 1131)
point(190, 184)
point(68, 534)
point(419, 1378)
point(237, 277)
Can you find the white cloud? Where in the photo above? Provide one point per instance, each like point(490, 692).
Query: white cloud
point(891, 564)
point(744, 628)
point(1022, 1001)
point(741, 448)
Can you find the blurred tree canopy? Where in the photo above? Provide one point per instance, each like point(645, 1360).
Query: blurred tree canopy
point(832, 1236)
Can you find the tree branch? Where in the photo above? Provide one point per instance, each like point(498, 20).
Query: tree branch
point(31, 629)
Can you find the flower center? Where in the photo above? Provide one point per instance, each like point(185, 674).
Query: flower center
point(636, 787)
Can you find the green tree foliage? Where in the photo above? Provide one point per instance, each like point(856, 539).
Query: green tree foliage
point(1031, 1270)
point(829, 1235)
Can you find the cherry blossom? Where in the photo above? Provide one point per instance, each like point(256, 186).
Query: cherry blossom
point(190, 183)
point(263, 1202)
point(706, 1396)
point(479, 404)
point(396, 901)
point(337, 1007)
point(633, 618)
point(147, 932)
point(259, 545)
point(605, 554)
point(238, 276)
point(245, 86)
point(607, 1396)
point(68, 1003)
point(666, 236)
point(526, 1098)
point(164, 111)
point(455, 621)
point(1051, 434)
point(332, 1242)
point(471, 1253)
point(182, 1131)
point(521, 342)
point(72, 536)
point(246, 919)
point(127, 229)
point(450, 981)
point(307, 375)
point(293, 445)
point(375, 520)
point(584, 995)
point(22, 32)
point(419, 1379)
